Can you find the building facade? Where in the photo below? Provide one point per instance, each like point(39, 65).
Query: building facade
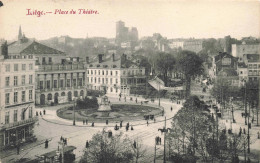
point(114, 76)
point(239, 50)
point(17, 98)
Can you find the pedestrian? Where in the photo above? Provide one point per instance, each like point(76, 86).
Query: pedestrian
point(171, 108)
point(46, 143)
point(116, 127)
point(119, 99)
point(147, 122)
point(125, 98)
point(106, 122)
point(61, 138)
point(240, 129)
point(157, 140)
point(132, 127)
point(83, 121)
point(65, 141)
point(18, 148)
point(40, 113)
point(135, 100)
point(121, 124)
point(36, 113)
point(92, 124)
point(160, 140)
point(126, 128)
point(244, 131)
point(87, 144)
point(44, 112)
point(86, 122)
point(154, 120)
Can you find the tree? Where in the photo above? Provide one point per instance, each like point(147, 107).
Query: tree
point(138, 150)
point(111, 149)
point(164, 63)
point(191, 65)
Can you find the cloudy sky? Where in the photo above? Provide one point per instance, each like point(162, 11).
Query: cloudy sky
point(171, 18)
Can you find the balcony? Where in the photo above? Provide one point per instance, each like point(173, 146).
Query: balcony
point(19, 123)
point(61, 67)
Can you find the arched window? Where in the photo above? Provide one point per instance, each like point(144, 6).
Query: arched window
point(49, 96)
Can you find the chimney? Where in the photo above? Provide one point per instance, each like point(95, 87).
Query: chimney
point(113, 57)
point(87, 59)
point(4, 49)
point(100, 58)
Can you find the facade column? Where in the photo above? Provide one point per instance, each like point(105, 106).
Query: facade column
point(52, 81)
point(58, 81)
point(44, 83)
point(65, 82)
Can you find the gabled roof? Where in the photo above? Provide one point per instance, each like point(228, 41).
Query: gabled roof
point(31, 47)
point(222, 55)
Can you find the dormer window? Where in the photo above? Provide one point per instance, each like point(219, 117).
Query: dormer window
point(91, 65)
point(114, 66)
point(98, 65)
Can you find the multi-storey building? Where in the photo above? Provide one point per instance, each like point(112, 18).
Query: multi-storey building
point(253, 66)
point(239, 50)
point(124, 33)
point(242, 72)
point(114, 75)
point(17, 98)
point(58, 79)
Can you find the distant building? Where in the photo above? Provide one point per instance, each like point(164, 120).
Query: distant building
point(242, 72)
point(115, 75)
point(224, 61)
point(124, 33)
point(17, 92)
point(239, 50)
point(192, 45)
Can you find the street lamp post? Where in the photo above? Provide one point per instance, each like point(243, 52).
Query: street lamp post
point(164, 130)
point(74, 112)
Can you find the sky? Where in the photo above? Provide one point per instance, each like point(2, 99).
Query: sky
point(171, 18)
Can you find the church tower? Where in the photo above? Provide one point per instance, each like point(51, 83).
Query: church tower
point(20, 33)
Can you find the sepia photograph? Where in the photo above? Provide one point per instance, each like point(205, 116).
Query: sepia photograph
point(133, 81)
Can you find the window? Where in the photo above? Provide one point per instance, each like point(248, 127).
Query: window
point(111, 80)
point(68, 82)
point(30, 79)
point(116, 81)
point(241, 72)
point(123, 72)
point(48, 84)
point(7, 68)
point(98, 80)
point(43, 60)
point(30, 112)
point(98, 72)
point(111, 72)
point(95, 80)
point(55, 84)
point(106, 72)
point(255, 66)
point(74, 82)
point(95, 72)
point(23, 80)
point(15, 97)
point(249, 65)
point(23, 67)
point(61, 83)
point(30, 94)
point(80, 81)
point(15, 80)
point(23, 114)
point(15, 67)
point(41, 84)
point(7, 98)
point(30, 66)
point(91, 79)
point(37, 60)
point(106, 80)
point(103, 72)
point(111, 89)
point(7, 117)
point(88, 71)
point(15, 115)
point(102, 80)
point(7, 81)
point(116, 73)
point(23, 96)
point(91, 72)
point(50, 60)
